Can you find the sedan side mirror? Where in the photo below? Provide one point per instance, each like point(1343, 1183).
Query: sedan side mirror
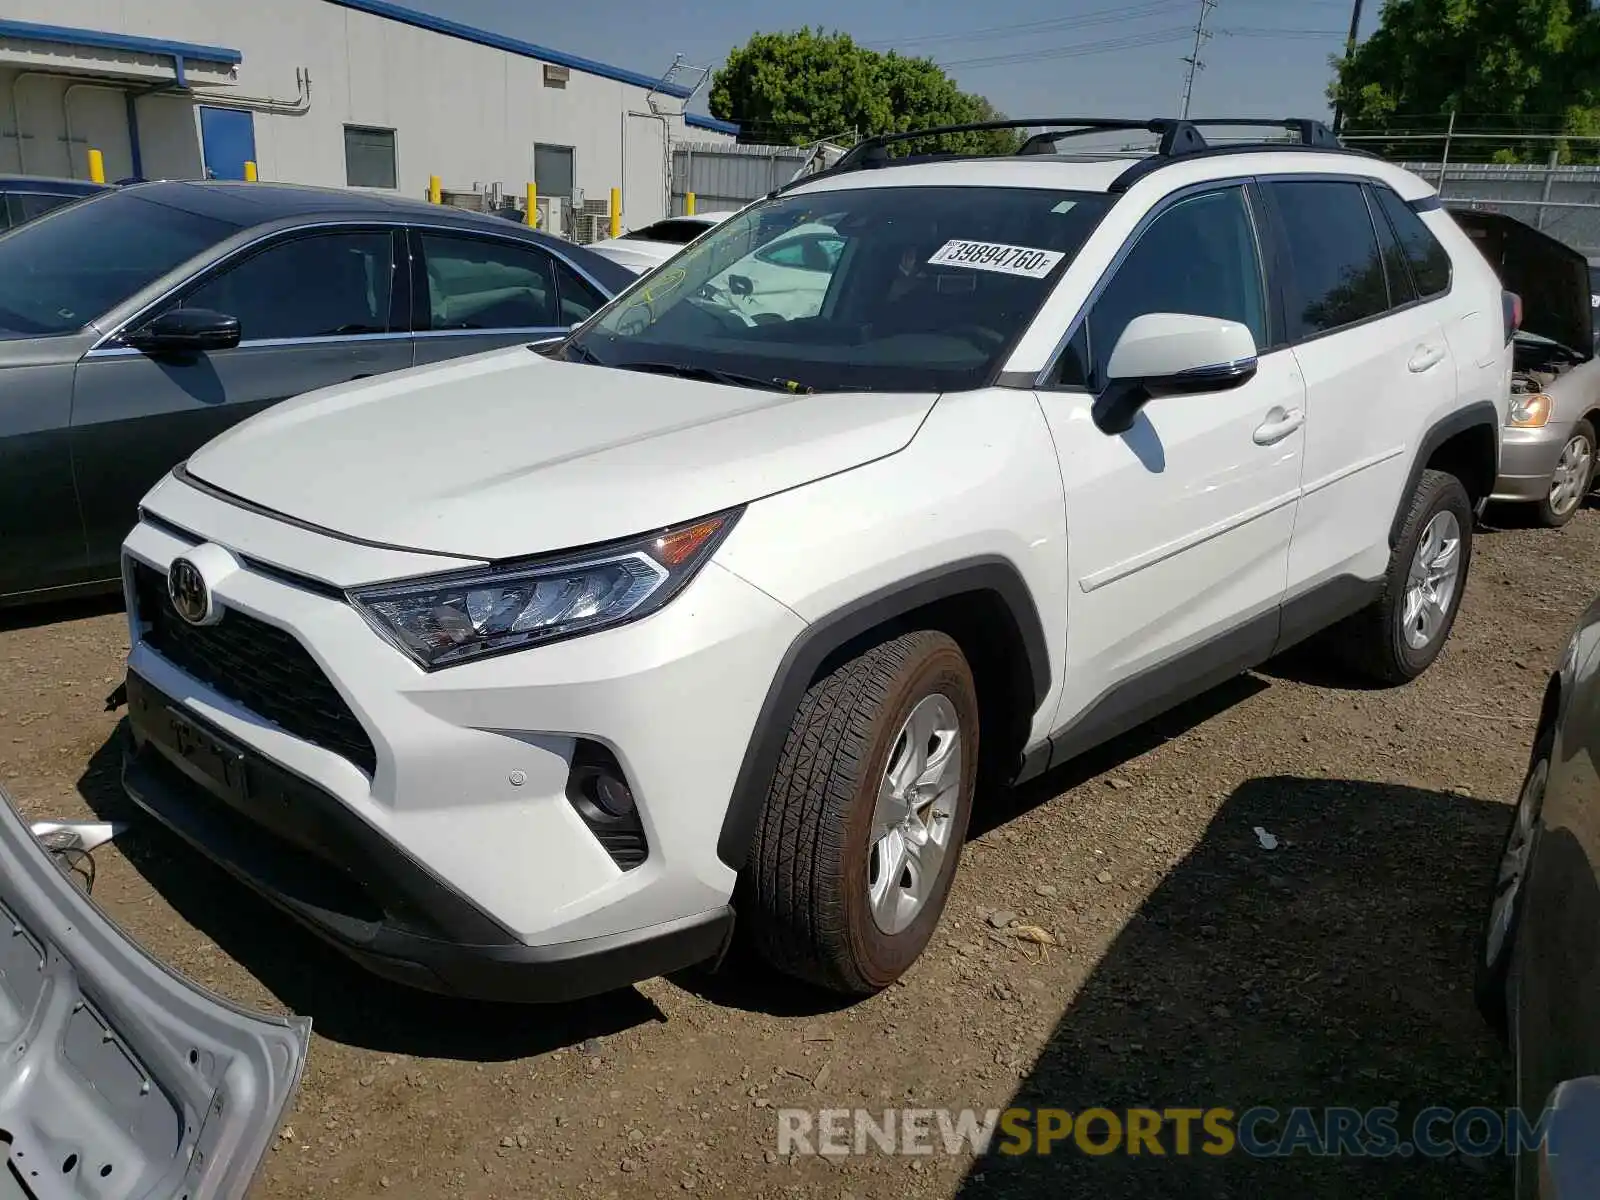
point(740, 285)
point(1166, 353)
point(181, 331)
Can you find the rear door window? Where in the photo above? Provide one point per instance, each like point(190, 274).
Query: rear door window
point(481, 283)
point(1336, 267)
point(1430, 262)
point(579, 298)
point(322, 285)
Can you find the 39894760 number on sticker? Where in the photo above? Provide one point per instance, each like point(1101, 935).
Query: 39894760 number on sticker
point(994, 256)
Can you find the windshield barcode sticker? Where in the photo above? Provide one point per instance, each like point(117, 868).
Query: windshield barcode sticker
point(992, 256)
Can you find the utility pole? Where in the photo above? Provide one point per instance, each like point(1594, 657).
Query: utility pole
point(1349, 49)
point(1202, 35)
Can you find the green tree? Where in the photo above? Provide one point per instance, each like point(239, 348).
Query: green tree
point(799, 87)
point(1513, 65)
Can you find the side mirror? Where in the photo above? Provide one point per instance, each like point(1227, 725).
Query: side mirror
point(181, 331)
point(740, 285)
point(1166, 353)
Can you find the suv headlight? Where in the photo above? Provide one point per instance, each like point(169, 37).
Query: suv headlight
point(442, 620)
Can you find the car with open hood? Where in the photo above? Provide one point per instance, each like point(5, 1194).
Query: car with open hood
point(121, 1077)
point(1547, 452)
point(517, 675)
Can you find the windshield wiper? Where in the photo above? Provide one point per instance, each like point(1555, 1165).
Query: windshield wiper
point(573, 351)
point(716, 375)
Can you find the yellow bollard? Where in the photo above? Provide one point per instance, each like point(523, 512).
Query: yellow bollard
point(249, 171)
point(533, 206)
point(688, 204)
point(433, 190)
point(97, 166)
point(616, 212)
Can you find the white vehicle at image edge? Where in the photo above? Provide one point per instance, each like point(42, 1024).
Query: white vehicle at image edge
point(519, 675)
point(642, 249)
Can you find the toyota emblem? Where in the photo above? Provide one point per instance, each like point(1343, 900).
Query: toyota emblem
point(190, 595)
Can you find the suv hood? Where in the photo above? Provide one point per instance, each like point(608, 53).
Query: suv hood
point(1551, 277)
point(122, 1078)
point(509, 454)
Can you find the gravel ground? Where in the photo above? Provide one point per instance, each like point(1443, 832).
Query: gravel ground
point(1193, 967)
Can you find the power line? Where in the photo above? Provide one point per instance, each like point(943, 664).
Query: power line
point(1099, 16)
point(1201, 37)
point(1077, 50)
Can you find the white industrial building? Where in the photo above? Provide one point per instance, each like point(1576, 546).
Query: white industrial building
point(357, 93)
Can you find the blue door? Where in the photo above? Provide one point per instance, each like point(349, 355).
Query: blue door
point(228, 140)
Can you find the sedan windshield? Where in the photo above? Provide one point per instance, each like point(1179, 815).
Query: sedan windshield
point(60, 272)
point(880, 289)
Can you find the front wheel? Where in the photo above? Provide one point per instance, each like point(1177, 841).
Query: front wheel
point(858, 842)
point(1397, 637)
point(1571, 480)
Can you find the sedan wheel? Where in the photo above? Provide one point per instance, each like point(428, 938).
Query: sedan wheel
point(1572, 478)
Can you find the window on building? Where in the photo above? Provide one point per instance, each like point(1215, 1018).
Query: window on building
point(1333, 250)
point(369, 157)
point(553, 170)
point(1199, 258)
point(479, 283)
point(324, 285)
point(1430, 262)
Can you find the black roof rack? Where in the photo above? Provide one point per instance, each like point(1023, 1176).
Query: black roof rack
point(1179, 138)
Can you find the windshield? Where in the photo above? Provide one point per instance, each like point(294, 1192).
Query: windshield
point(74, 264)
point(885, 289)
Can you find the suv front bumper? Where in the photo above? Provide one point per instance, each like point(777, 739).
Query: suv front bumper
point(470, 766)
point(312, 857)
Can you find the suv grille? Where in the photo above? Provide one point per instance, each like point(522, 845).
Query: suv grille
point(260, 666)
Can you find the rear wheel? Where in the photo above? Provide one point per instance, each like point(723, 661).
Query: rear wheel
point(1572, 478)
point(858, 843)
point(1398, 636)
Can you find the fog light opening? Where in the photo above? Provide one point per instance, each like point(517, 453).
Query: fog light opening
point(599, 792)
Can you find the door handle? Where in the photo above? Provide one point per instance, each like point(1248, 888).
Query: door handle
point(1280, 423)
point(1426, 358)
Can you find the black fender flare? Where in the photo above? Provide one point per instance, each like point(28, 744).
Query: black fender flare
point(828, 635)
point(1480, 412)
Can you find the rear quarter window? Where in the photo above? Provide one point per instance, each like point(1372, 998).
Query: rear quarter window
point(1430, 262)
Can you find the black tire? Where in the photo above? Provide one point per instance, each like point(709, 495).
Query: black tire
point(1374, 640)
point(1546, 514)
point(805, 900)
point(1493, 967)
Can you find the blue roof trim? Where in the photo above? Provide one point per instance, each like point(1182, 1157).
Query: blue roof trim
point(117, 41)
point(696, 121)
point(497, 41)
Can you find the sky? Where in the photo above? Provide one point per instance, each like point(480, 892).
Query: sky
point(1267, 58)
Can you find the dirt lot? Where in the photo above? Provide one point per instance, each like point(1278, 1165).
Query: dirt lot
point(1195, 968)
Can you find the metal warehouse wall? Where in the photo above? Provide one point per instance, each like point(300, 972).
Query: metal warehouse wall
point(465, 112)
point(725, 176)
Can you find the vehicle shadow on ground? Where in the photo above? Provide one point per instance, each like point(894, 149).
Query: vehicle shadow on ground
point(345, 1003)
point(59, 612)
point(1333, 971)
point(744, 982)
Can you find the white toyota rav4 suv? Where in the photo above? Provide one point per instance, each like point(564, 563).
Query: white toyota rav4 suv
point(519, 675)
